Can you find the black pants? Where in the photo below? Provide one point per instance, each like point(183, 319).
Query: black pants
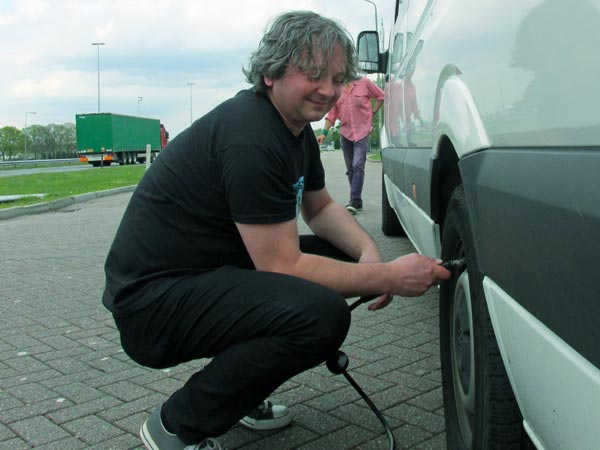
point(259, 328)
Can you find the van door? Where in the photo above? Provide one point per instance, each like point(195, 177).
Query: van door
point(418, 162)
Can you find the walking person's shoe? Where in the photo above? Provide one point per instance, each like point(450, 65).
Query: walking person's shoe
point(267, 416)
point(156, 437)
point(354, 206)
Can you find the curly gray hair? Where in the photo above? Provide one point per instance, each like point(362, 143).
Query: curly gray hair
point(292, 40)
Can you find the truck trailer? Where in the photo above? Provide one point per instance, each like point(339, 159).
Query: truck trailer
point(104, 138)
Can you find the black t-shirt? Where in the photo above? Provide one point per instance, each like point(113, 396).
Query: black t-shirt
point(239, 163)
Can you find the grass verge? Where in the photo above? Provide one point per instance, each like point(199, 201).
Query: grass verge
point(8, 166)
point(67, 184)
point(374, 156)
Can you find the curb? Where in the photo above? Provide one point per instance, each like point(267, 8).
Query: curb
point(40, 208)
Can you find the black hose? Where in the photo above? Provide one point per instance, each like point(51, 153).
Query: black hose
point(339, 362)
point(376, 411)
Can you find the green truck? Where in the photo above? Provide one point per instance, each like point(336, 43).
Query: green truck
point(106, 138)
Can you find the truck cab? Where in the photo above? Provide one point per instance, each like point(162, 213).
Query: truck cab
point(490, 155)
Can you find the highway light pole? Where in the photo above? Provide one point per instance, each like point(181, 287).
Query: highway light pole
point(25, 134)
point(98, 44)
point(378, 78)
point(191, 85)
point(138, 103)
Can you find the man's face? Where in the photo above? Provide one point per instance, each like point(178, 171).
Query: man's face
point(301, 98)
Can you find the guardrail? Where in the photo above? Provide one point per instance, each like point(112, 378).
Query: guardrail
point(32, 162)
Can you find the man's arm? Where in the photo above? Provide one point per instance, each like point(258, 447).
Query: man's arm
point(377, 106)
point(275, 248)
point(324, 132)
point(377, 93)
point(330, 221)
point(330, 120)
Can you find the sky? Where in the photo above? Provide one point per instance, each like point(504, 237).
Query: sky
point(152, 50)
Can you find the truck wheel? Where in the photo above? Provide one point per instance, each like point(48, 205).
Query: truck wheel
point(390, 225)
point(480, 408)
point(121, 157)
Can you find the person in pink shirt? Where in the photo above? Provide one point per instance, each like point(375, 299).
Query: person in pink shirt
point(355, 113)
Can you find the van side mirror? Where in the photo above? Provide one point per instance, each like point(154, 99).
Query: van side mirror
point(369, 58)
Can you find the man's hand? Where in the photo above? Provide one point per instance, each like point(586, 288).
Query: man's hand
point(415, 275)
point(381, 302)
point(321, 138)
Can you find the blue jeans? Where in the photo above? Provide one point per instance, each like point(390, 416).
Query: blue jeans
point(259, 328)
point(355, 156)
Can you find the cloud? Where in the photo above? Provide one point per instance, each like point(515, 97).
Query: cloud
point(153, 48)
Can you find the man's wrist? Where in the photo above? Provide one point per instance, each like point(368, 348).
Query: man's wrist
point(324, 132)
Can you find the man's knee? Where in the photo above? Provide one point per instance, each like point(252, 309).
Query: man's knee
point(329, 319)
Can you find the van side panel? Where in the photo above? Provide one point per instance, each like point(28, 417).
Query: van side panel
point(557, 389)
point(536, 218)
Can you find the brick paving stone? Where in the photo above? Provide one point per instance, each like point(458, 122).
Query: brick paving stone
point(14, 444)
point(92, 429)
point(70, 443)
point(36, 409)
point(38, 430)
point(418, 417)
point(349, 437)
point(5, 433)
point(359, 414)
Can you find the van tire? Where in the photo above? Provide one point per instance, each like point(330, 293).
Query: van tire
point(480, 408)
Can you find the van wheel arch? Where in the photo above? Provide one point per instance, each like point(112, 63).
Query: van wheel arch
point(445, 178)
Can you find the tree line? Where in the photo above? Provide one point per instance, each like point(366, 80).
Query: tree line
point(54, 141)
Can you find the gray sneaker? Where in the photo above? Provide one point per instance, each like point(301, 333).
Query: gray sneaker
point(155, 437)
point(267, 416)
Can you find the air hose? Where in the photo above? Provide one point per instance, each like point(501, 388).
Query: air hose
point(338, 363)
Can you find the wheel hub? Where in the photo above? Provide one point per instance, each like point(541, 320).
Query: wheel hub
point(462, 349)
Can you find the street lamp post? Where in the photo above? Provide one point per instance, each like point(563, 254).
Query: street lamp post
point(25, 134)
point(98, 44)
point(191, 85)
point(378, 37)
point(138, 103)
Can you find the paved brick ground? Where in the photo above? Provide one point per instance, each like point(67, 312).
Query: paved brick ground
point(66, 384)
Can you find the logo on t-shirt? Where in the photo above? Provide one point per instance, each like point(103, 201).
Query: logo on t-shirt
point(299, 190)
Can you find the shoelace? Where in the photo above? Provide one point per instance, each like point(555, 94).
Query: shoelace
point(212, 444)
point(264, 406)
point(208, 444)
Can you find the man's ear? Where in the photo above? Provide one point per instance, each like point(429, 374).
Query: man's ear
point(268, 81)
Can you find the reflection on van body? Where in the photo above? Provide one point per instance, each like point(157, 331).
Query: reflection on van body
point(491, 152)
point(521, 61)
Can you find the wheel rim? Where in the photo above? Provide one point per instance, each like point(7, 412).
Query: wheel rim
point(462, 349)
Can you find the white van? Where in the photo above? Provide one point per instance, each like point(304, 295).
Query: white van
point(491, 154)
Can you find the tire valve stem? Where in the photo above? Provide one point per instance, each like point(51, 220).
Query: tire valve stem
point(454, 263)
